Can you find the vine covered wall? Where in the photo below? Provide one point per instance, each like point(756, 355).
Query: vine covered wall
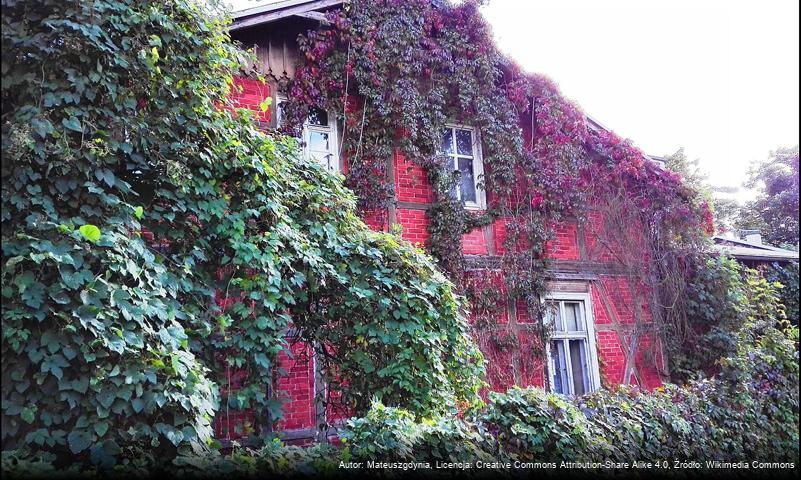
point(397, 71)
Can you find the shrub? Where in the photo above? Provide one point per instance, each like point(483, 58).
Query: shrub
point(534, 424)
point(274, 458)
point(787, 275)
point(712, 312)
point(748, 411)
point(394, 434)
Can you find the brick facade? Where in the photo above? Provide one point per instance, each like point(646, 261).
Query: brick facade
point(610, 304)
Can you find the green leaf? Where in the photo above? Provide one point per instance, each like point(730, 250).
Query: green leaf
point(81, 385)
point(106, 175)
point(72, 123)
point(262, 361)
point(90, 232)
point(106, 398)
point(174, 436)
point(265, 104)
point(78, 440)
point(27, 414)
point(101, 428)
point(139, 211)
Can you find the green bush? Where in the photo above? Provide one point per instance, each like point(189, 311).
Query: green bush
point(274, 458)
point(394, 434)
point(534, 424)
point(749, 411)
point(712, 312)
point(787, 275)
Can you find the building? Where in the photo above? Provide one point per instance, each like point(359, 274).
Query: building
point(751, 252)
point(593, 344)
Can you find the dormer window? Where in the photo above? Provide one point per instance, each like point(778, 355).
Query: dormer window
point(462, 147)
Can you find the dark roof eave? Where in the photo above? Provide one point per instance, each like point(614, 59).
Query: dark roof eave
point(276, 11)
point(760, 258)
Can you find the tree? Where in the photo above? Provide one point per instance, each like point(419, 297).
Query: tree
point(727, 213)
point(775, 210)
point(691, 171)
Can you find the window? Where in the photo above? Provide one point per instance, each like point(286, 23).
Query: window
point(572, 359)
point(279, 110)
point(462, 147)
point(320, 139)
point(319, 136)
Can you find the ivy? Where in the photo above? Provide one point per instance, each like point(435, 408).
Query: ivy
point(154, 240)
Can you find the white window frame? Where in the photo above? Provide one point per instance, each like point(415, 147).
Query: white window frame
point(594, 375)
point(478, 166)
point(331, 130)
point(333, 142)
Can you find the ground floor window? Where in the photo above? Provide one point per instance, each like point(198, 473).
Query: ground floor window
point(572, 357)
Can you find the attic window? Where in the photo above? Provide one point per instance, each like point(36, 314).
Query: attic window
point(319, 138)
point(461, 145)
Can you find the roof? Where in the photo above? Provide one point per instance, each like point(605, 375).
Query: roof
point(277, 10)
point(597, 126)
point(745, 250)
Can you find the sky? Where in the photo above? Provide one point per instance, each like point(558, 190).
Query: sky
point(719, 78)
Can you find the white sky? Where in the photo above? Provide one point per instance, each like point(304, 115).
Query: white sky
point(720, 78)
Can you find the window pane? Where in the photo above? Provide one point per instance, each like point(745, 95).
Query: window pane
point(558, 324)
point(323, 158)
point(447, 141)
point(467, 189)
point(464, 142)
point(559, 361)
point(578, 366)
point(318, 116)
point(318, 141)
point(279, 113)
point(329, 162)
point(573, 320)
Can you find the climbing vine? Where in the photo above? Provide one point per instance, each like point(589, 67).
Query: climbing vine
point(399, 70)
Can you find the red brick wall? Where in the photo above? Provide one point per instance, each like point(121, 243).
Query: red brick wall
point(296, 388)
point(411, 182)
point(531, 364)
point(412, 186)
point(565, 245)
point(615, 316)
point(475, 242)
point(248, 94)
point(415, 225)
point(377, 220)
point(610, 357)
